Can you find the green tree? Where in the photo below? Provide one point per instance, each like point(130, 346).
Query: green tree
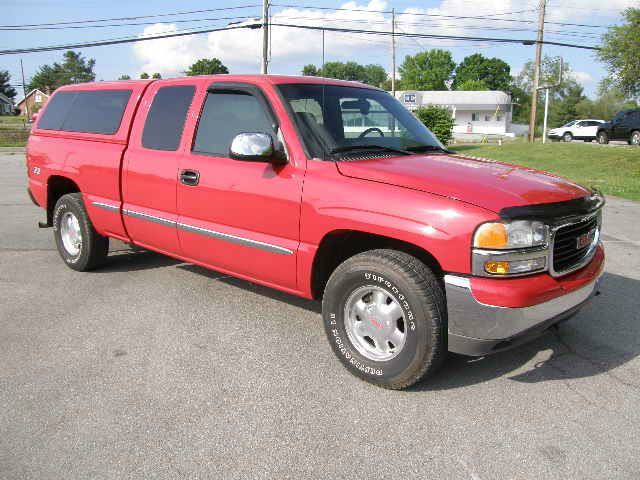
point(144, 76)
point(371, 74)
point(5, 88)
point(124, 77)
point(206, 66)
point(619, 51)
point(438, 120)
point(611, 100)
point(428, 70)
point(472, 85)
point(493, 72)
point(156, 76)
point(73, 69)
point(310, 70)
point(563, 99)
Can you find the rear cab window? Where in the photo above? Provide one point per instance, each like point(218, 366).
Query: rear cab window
point(165, 122)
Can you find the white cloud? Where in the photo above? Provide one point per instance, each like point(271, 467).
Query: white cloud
point(582, 77)
point(240, 49)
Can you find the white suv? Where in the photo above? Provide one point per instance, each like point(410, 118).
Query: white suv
point(576, 130)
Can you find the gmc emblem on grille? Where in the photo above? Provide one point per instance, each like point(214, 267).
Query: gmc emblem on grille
point(585, 239)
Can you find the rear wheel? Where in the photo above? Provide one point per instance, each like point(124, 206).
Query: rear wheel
point(79, 245)
point(603, 138)
point(635, 138)
point(567, 137)
point(384, 314)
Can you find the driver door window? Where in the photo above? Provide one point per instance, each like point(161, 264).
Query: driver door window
point(225, 115)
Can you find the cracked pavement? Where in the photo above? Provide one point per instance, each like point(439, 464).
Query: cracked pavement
point(152, 368)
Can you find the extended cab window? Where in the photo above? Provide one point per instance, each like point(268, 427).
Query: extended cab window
point(225, 115)
point(165, 121)
point(88, 111)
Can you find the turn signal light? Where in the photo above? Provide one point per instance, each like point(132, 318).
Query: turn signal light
point(491, 235)
point(497, 268)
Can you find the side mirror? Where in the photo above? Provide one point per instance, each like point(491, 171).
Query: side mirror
point(256, 147)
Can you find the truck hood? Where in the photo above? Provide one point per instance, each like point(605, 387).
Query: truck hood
point(481, 182)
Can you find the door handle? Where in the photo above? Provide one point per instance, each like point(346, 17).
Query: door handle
point(190, 177)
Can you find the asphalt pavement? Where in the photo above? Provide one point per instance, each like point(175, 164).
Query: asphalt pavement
point(153, 368)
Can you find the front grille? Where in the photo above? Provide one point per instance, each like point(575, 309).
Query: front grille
point(566, 253)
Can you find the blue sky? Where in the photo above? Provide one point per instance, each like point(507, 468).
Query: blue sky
point(291, 48)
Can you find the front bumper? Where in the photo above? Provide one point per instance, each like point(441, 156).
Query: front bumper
point(478, 329)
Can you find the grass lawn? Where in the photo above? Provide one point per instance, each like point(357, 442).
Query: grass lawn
point(11, 120)
point(614, 169)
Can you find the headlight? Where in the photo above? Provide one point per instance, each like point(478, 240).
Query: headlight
point(516, 234)
point(512, 248)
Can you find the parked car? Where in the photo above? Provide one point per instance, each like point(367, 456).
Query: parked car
point(412, 249)
point(576, 130)
point(624, 126)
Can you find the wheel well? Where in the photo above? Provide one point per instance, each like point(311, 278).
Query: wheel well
point(337, 246)
point(56, 188)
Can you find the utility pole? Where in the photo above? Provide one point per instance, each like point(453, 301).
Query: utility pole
point(24, 91)
point(536, 72)
point(323, 52)
point(265, 36)
point(393, 52)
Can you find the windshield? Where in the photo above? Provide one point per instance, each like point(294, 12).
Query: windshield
point(334, 119)
point(570, 123)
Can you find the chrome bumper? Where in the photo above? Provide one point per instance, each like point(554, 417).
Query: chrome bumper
point(479, 329)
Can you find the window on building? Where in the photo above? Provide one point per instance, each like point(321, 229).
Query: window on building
point(165, 121)
point(475, 116)
point(92, 111)
point(487, 117)
point(38, 98)
point(225, 115)
point(499, 117)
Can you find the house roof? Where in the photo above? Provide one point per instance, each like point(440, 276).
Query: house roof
point(5, 99)
point(31, 93)
point(458, 97)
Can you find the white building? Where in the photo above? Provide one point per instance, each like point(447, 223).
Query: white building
point(475, 112)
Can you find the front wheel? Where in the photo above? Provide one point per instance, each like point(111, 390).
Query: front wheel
point(385, 317)
point(79, 245)
point(603, 138)
point(567, 137)
point(635, 138)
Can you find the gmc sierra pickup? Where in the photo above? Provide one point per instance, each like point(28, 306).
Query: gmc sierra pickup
point(325, 189)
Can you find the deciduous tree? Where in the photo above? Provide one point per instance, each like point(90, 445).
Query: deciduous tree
point(428, 70)
point(493, 72)
point(619, 51)
point(206, 66)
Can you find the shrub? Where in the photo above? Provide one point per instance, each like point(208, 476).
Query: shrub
point(438, 120)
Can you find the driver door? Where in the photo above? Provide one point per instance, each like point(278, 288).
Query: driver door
point(239, 216)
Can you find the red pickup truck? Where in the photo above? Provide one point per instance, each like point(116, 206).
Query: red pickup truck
point(328, 190)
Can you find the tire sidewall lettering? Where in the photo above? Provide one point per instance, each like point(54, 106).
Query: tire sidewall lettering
point(334, 324)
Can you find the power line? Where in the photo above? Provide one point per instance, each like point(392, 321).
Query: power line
point(132, 18)
point(439, 36)
point(117, 41)
point(104, 25)
point(474, 17)
point(99, 43)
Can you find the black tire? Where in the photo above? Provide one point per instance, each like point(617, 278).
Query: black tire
point(567, 137)
point(634, 139)
point(93, 247)
point(603, 138)
point(422, 301)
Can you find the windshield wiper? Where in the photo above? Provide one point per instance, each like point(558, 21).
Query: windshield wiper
point(367, 146)
point(428, 148)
